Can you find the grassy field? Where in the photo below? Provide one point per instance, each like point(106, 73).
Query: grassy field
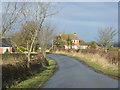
point(99, 66)
point(39, 79)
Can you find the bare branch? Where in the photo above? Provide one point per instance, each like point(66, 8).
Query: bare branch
point(106, 37)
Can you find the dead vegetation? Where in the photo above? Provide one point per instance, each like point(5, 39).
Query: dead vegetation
point(104, 60)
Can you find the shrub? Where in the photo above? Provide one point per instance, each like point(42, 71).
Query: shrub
point(14, 73)
point(112, 57)
point(77, 50)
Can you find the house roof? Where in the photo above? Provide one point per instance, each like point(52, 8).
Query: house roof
point(71, 36)
point(5, 43)
point(82, 42)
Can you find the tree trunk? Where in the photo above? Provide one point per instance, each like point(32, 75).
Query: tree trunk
point(71, 47)
point(106, 50)
point(44, 54)
point(28, 60)
point(31, 46)
point(27, 46)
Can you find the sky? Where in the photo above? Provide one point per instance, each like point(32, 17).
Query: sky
point(85, 18)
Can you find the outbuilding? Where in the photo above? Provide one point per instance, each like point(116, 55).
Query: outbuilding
point(5, 45)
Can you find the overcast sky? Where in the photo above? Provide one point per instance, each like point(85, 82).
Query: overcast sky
point(85, 18)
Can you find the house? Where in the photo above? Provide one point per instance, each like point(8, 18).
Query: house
point(83, 45)
point(70, 38)
point(97, 47)
point(5, 45)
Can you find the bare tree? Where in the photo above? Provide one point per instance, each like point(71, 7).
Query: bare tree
point(45, 37)
point(43, 11)
point(24, 36)
point(106, 37)
point(38, 12)
point(11, 13)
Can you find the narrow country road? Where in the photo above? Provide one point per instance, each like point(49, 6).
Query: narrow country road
point(73, 74)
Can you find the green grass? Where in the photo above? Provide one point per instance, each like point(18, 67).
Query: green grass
point(39, 79)
point(94, 66)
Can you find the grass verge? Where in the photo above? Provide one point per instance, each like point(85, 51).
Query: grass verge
point(39, 79)
point(96, 67)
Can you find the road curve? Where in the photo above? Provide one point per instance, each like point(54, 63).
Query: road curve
point(73, 74)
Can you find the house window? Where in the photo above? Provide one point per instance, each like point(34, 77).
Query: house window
point(74, 47)
point(74, 41)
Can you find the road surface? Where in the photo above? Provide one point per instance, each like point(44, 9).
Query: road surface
point(73, 74)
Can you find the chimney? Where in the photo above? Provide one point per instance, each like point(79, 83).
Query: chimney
point(74, 33)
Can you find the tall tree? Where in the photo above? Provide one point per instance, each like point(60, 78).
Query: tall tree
point(43, 11)
point(45, 37)
point(11, 14)
point(106, 37)
point(37, 12)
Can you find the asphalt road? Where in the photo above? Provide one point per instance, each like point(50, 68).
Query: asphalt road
point(73, 74)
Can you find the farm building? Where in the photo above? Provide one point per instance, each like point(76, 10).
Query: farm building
point(5, 45)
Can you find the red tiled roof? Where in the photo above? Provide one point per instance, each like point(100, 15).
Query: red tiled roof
point(71, 36)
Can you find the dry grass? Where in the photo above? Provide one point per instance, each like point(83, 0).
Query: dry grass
point(14, 58)
point(103, 62)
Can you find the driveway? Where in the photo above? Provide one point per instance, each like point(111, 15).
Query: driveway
point(73, 74)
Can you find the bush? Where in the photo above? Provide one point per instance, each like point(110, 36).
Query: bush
point(15, 73)
point(111, 56)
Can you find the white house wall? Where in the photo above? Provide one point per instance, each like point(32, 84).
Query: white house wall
point(5, 48)
point(83, 47)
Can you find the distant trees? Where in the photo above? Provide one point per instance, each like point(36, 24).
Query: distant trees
point(58, 41)
point(92, 44)
point(106, 37)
